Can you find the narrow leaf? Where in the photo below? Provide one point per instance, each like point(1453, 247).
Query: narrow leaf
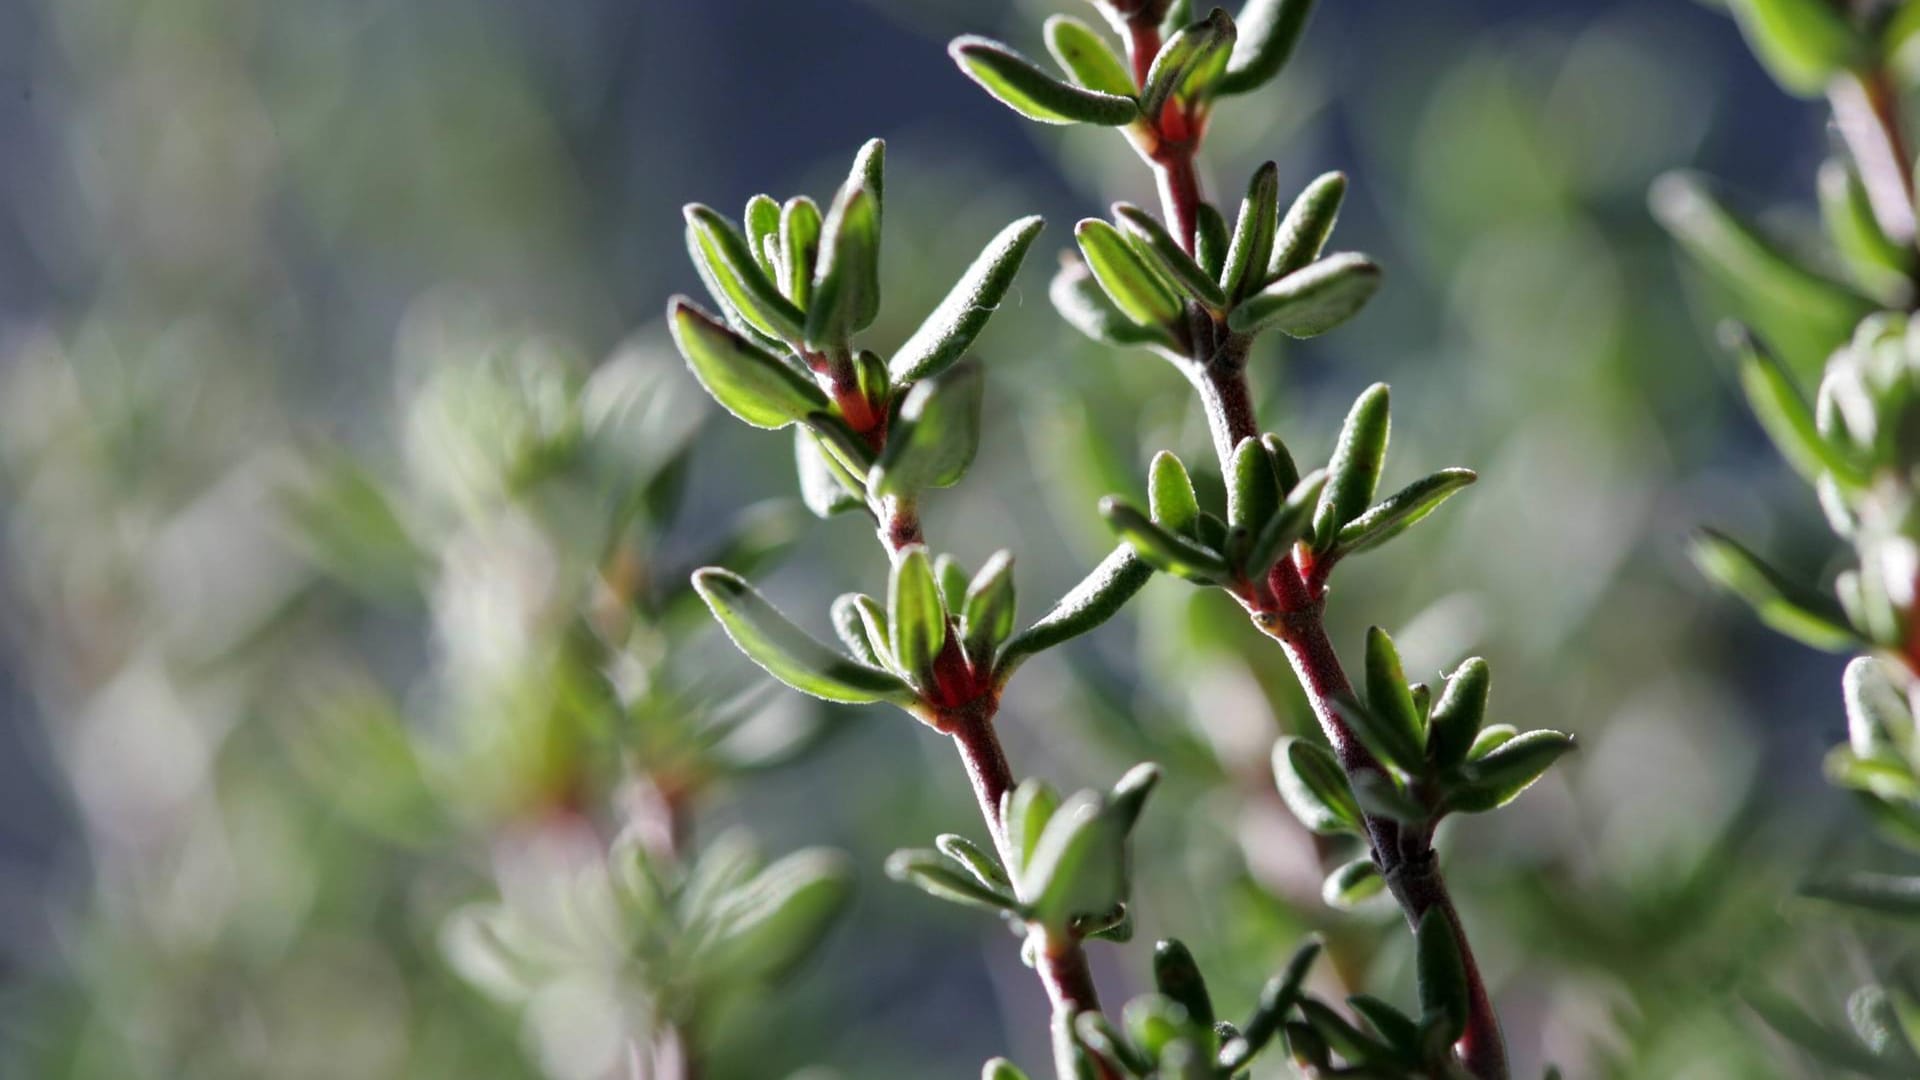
point(1456, 718)
point(1497, 778)
point(1442, 974)
point(1082, 53)
point(1166, 550)
point(916, 619)
point(1352, 884)
point(1788, 606)
point(1253, 487)
point(1253, 234)
point(1314, 788)
point(1081, 301)
point(1803, 43)
point(1195, 51)
point(1354, 472)
point(799, 248)
point(846, 284)
point(1177, 976)
point(984, 867)
point(1135, 287)
point(1401, 511)
point(734, 268)
point(749, 382)
point(1269, 30)
point(1096, 599)
point(1312, 300)
point(1309, 222)
point(825, 486)
point(1390, 703)
point(1287, 526)
point(1155, 243)
point(1170, 498)
point(1022, 86)
point(851, 628)
point(787, 652)
point(1785, 414)
point(988, 610)
point(933, 875)
point(949, 332)
point(933, 440)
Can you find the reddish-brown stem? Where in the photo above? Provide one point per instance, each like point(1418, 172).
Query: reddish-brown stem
point(1062, 962)
point(1866, 108)
point(1179, 186)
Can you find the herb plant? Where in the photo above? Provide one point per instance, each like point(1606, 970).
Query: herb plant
point(795, 286)
point(1841, 320)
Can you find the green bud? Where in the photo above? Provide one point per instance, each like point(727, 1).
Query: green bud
point(1253, 487)
point(1170, 498)
point(1022, 86)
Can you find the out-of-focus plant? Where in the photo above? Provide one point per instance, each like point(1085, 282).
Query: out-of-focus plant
point(1845, 315)
point(564, 709)
point(873, 435)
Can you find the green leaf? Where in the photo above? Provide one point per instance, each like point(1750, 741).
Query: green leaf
point(787, 652)
point(1877, 264)
point(1491, 738)
point(1885, 894)
point(953, 581)
point(1133, 285)
point(932, 441)
point(1309, 222)
point(1790, 607)
point(1394, 1027)
point(1354, 472)
point(731, 264)
point(1401, 511)
point(747, 381)
point(1157, 245)
point(1312, 300)
point(870, 376)
point(1210, 240)
point(850, 626)
point(1082, 53)
point(1253, 234)
point(1380, 795)
point(987, 612)
point(1878, 718)
point(1442, 974)
point(1831, 1047)
point(1269, 29)
point(1314, 788)
point(1876, 1020)
point(1803, 43)
point(799, 248)
point(1341, 1036)
point(1401, 729)
point(949, 332)
point(1785, 414)
point(1287, 526)
point(984, 867)
point(1178, 977)
point(1001, 1069)
point(1085, 305)
point(1351, 884)
point(825, 486)
point(916, 619)
point(1276, 999)
point(846, 284)
point(1497, 778)
point(1098, 1035)
point(1022, 86)
point(1188, 65)
point(1167, 551)
point(1456, 718)
point(762, 219)
point(1253, 487)
point(1077, 866)
point(1130, 793)
point(776, 920)
point(1765, 279)
point(935, 876)
point(1170, 498)
point(1096, 599)
point(1028, 810)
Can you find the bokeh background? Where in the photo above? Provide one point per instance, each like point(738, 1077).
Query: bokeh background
point(291, 293)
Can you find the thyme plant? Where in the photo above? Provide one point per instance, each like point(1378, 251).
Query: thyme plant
point(794, 288)
point(1842, 319)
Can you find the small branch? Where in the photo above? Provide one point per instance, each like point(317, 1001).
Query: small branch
point(1221, 382)
point(1866, 107)
point(1179, 186)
